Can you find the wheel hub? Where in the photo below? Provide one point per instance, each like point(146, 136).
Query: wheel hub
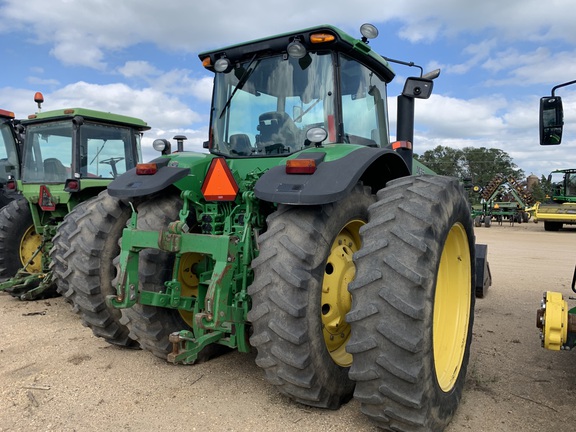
point(187, 276)
point(336, 300)
point(29, 244)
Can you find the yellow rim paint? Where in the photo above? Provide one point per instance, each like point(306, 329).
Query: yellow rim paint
point(29, 243)
point(336, 300)
point(555, 321)
point(189, 282)
point(452, 307)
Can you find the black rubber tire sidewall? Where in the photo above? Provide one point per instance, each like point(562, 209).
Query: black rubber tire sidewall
point(286, 300)
point(88, 243)
point(150, 325)
point(393, 304)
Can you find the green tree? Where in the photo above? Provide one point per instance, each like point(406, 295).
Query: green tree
point(483, 164)
point(478, 164)
point(444, 161)
point(474, 166)
point(542, 189)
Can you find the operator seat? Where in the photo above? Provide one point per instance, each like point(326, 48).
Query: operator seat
point(240, 145)
point(54, 171)
point(277, 127)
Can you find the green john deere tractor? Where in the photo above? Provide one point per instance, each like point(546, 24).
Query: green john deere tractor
point(10, 142)
point(302, 232)
point(555, 319)
point(68, 157)
point(560, 208)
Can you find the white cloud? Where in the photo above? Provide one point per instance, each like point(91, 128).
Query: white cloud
point(138, 69)
point(80, 35)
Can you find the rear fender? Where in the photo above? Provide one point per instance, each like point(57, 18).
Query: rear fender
point(332, 180)
point(129, 184)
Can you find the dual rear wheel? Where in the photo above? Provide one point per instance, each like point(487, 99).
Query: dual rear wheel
point(402, 347)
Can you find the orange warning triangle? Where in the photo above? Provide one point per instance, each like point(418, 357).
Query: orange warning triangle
point(219, 184)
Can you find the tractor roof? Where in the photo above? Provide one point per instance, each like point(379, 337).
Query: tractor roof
point(342, 42)
point(88, 114)
point(567, 170)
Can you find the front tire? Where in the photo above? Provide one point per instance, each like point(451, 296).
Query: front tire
point(413, 304)
point(300, 298)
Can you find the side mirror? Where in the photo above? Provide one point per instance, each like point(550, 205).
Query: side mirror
point(419, 88)
point(551, 120)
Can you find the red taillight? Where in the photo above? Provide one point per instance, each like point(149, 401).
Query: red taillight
point(72, 185)
point(146, 169)
point(301, 166)
point(219, 184)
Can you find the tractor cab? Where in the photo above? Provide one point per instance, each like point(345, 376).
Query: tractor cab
point(70, 151)
point(563, 185)
point(298, 91)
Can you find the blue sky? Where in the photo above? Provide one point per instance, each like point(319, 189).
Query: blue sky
point(139, 58)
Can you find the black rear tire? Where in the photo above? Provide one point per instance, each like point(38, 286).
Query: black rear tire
point(413, 304)
point(83, 264)
point(299, 265)
point(18, 239)
point(60, 252)
point(150, 325)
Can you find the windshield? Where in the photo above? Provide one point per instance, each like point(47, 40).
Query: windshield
point(47, 150)
point(264, 107)
point(8, 153)
point(570, 182)
point(105, 151)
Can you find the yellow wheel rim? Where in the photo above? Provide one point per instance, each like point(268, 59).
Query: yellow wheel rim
point(189, 281)
point(452, 308)
point(336, 300)
point(29, 243)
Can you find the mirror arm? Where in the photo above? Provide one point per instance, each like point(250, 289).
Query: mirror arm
point(562, 85)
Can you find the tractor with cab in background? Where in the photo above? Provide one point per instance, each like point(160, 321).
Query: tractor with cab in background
point(68, 156)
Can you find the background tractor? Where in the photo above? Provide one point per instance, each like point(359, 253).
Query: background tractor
point(303, 233)
point(556, 321)
point(10, 141)
point(68, 157)
point(560, 208)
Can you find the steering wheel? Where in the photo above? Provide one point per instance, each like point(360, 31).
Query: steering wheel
point(112, 160)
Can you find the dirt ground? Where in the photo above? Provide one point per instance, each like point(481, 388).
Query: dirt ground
point(56, 376)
